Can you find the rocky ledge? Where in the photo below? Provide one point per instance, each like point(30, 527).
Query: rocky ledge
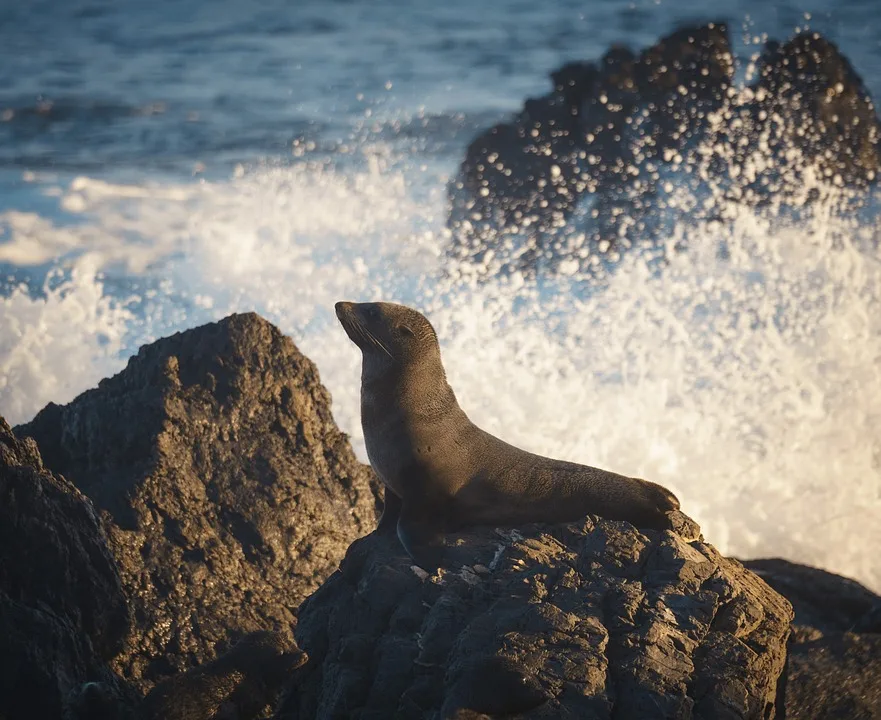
point(221, 496)
point(594, 619)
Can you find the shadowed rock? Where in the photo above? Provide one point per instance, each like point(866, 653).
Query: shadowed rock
point(602, 122)
point(821, 600)
point(835, 676)
point(241, 684)
point(593, 619)
point(228, 491)
point(62, 609)
point(834, 666)
point(608, 148)
point(810, 98)
point(518, 174)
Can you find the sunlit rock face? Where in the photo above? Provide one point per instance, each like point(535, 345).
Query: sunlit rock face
point(593, 619)
point(227, 490)
point(601, 164)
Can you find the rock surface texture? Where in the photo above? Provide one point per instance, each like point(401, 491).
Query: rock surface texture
point(834, 666)
point(62, 609)
point(242, 684)
point(582, 620)
point(227, 490)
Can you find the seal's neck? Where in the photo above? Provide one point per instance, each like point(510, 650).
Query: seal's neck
point(418, 388)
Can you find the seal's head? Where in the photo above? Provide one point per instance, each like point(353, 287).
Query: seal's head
point(388, 334)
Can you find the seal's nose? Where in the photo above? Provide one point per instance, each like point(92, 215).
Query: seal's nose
point(343, 308)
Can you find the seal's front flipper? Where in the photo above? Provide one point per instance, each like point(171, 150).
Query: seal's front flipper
point(420, 531)
point(391, 510)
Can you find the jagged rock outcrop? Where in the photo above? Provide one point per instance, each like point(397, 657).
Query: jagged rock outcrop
point(618, 129)
point(808, 97)
point(227, 490)
point(63, 613)
point(834, 666)
point(593, 619)
point(602, 122)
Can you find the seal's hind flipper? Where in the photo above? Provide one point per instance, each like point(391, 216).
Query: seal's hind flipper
point(391, 511)
point(421, 532)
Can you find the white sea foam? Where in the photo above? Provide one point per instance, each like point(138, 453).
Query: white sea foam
point(60, 342)
point(749, 385)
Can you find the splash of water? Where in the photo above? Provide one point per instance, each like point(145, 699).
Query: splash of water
point(749, 384)
point(59, 342)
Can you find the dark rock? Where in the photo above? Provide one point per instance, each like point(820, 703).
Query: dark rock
point(822, 600)
point(870, 622)
point(805, 129)
point(809, 98)
point(602, 142)
point(593, 619)
point(601, 123)
point(101, 701)
point(679, 80)
point(227, 490)
point(241, 684)
point(834, 666)
point(662, 102)
point(62, 609)
point(518, 173)
point(835, 676)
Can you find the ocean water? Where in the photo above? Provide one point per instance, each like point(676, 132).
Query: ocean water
point(163, 165)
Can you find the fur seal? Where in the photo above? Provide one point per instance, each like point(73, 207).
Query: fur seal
point(441, 472)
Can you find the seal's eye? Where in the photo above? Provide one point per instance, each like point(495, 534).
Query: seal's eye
point(404, 330)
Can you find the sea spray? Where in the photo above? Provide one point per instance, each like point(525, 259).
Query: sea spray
point(746, 380)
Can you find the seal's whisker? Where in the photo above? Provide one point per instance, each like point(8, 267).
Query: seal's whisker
point(362, 332)
point(368, 336)
point(377, 342)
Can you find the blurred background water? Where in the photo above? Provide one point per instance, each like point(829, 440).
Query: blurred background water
point(163, 164)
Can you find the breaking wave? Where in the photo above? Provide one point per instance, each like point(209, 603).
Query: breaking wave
point(748, 381)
